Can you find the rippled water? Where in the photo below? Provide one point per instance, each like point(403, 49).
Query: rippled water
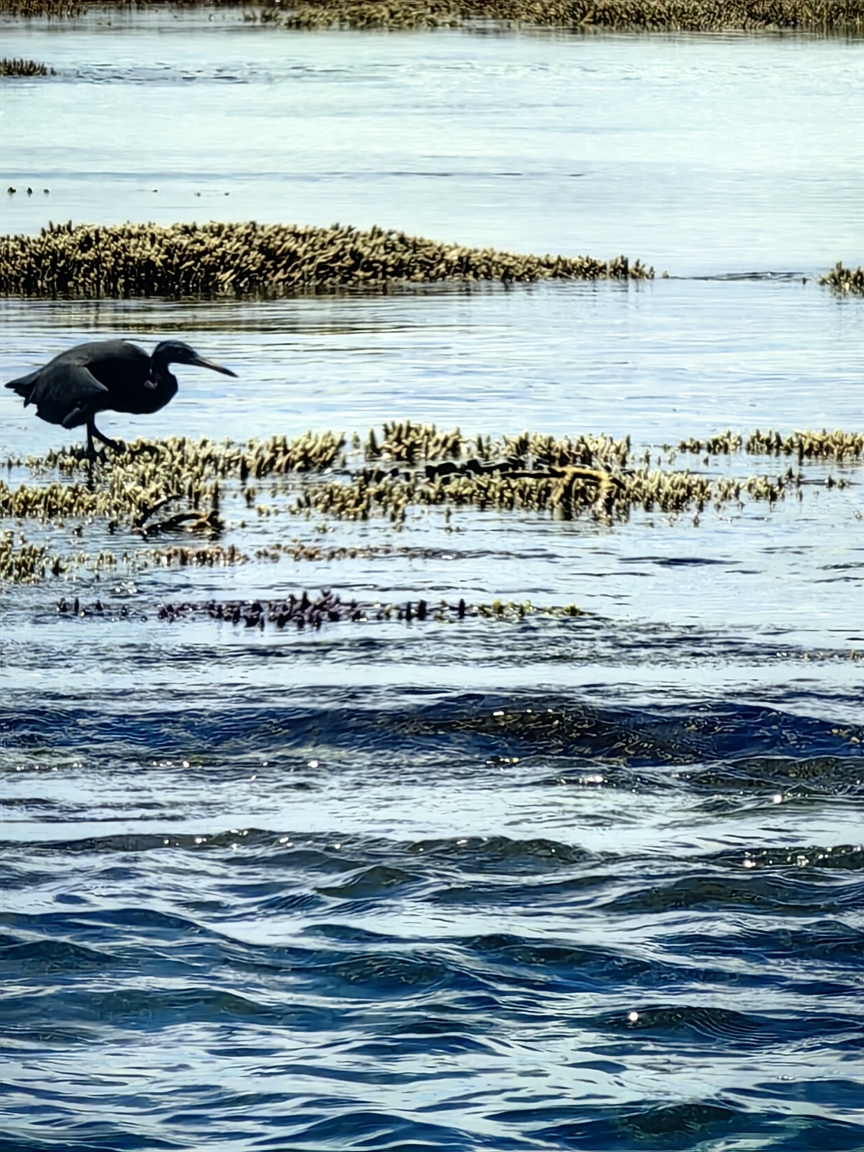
point(697, 154)
point(587, 882)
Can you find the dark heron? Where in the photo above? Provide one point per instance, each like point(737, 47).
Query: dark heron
point(114, 374)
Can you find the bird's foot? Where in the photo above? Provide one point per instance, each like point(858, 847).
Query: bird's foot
point(93, 433)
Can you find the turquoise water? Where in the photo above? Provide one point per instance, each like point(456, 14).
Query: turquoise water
point(586, 882)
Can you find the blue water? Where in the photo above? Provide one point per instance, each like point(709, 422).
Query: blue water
point(588, 882)
point(699, 155)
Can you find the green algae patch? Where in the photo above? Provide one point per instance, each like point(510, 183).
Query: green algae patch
point(254, 260)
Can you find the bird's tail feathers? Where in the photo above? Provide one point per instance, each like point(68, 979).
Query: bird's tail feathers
point(24, 385)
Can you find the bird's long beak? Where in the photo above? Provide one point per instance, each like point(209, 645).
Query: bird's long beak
point(202, 363)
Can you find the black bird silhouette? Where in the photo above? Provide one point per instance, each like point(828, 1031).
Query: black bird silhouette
point(90, 378)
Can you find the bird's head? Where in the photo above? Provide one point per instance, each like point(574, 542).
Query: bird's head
point(176, 352)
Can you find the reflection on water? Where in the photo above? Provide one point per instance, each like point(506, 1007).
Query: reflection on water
point(561, 882)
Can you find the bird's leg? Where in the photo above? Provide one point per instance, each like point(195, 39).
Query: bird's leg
point(92, 430)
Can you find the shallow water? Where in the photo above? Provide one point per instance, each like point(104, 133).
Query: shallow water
point(587, 882)
point(700, 155)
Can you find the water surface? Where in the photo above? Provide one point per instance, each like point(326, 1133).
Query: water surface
point(700, 155)
point(587, 882)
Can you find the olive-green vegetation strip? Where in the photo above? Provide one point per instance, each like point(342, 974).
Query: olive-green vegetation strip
point(825, 16)
point(66, 9)
point(133, 260)
point(148, 489)
point(54, 9)
point(844, 279)
point(154, 490)
point(140, 481)
point(836, 445)
point(622, 15)
point(23, 68)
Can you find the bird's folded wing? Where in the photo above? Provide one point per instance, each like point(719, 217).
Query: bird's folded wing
point(68, 394)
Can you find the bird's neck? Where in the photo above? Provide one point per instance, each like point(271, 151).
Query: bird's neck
point(159, 371)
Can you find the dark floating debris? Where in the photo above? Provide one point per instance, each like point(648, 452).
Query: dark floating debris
point(301, 611)
point(242, 260)
point(304, 611)
point(844, 280)
point(74, 607)
point(24, 68)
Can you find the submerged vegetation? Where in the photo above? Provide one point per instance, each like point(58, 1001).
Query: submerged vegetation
point(243, 260)
point(250, 260)
point(844, 279)
point(820, 16)
point(147, 499)
point(579, 15)
point(54, 9)
point(822, 445)
point(24, 68)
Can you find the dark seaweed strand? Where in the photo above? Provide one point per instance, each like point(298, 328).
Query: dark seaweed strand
point(242, 260)
point(824, 16)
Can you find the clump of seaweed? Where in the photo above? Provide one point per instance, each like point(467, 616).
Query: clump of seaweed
point(173, 491)
point(844, 280)
point(22, 562)
point(52, 9)
point(141, 479)
point(242, 260)
point(69, 9)
point(836, 445)
point(822, 16)
point(724, 443)
point(412, 442)
point(9, 67)
point(408, 442)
